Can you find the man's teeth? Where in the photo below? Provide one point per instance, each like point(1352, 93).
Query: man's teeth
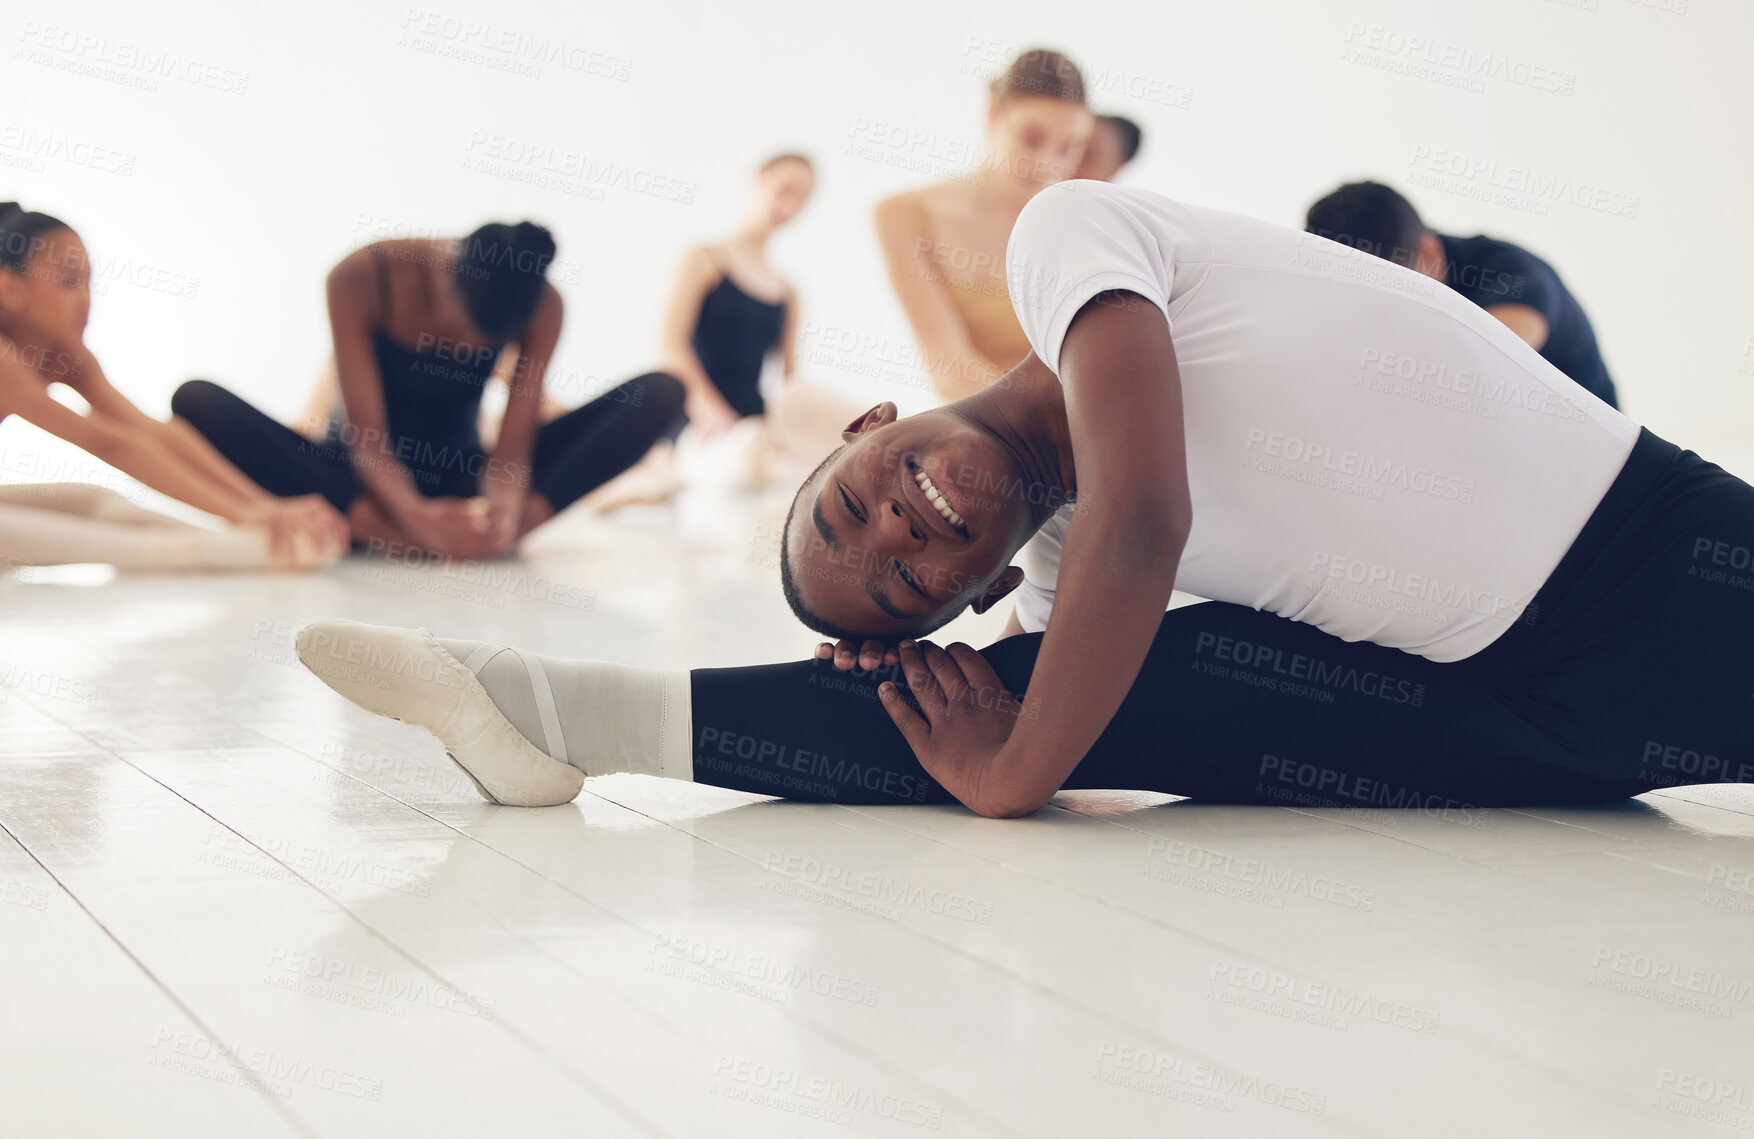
point(937, 499)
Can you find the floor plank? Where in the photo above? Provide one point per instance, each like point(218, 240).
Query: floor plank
point(76, 1001)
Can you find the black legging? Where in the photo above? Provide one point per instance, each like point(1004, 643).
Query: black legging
point(1632, 669)
point(573, 454)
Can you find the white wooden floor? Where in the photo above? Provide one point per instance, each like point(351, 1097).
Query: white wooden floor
point(231, 904)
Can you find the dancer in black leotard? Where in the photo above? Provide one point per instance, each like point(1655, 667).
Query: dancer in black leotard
point(419, 327)
point(728, 309)
point(732, 337)
point(729, 312)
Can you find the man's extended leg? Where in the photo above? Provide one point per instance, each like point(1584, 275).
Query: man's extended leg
point(1232, 705)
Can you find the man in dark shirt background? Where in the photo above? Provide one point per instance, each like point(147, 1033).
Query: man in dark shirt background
point(1506, 280)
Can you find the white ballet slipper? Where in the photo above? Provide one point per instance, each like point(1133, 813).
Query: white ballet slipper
point(407, 675)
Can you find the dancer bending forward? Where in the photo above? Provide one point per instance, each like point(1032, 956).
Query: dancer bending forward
point(1442, 574)
point(420, 326)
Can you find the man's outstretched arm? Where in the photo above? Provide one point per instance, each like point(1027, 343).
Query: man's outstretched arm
point(1131, 521)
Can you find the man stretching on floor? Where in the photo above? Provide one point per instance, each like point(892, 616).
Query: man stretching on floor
point(1442, 574)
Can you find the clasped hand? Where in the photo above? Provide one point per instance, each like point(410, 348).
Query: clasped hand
point(460, 527)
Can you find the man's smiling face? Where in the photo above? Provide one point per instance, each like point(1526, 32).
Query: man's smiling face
point(905, 526)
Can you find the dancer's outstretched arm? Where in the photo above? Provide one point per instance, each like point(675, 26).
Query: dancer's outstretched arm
point(1124, 409)
point(707, 408)
point(506, 482)
point(789, 338)
point(280, 518)
point(147, 454)
point(95, 388)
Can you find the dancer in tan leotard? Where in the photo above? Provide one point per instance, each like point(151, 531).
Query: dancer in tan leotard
point(945, 243)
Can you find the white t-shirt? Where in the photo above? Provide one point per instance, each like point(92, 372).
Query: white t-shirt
point(1368, 452)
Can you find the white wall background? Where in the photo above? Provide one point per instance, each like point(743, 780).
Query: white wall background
point(358, 118)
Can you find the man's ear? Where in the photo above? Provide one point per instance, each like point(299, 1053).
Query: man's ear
point(1432, 261)
point(996, 592)
point(878, 416)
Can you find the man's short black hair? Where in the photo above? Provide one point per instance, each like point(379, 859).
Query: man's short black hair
point(1129, 133)
point(1371, 217)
